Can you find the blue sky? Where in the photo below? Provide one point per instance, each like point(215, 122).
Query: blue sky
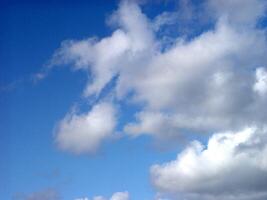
point(103, 97)
point(31, 32)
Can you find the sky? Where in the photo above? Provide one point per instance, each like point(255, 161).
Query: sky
point(133, 100)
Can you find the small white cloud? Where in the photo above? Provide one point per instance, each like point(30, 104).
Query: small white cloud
point(99, 198)
point(81, 133)
point(39, 76)
point(120, 196)
point(85, 198)
point(116, 196)
point(260, 85)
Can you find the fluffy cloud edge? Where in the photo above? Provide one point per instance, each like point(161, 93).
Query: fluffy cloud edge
point(84, 133)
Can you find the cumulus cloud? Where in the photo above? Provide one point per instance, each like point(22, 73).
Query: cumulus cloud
point(85, 198)
point(212, 82)
point(260, 85)
point(104, 58)
point(209, 83)
point(202, 85)
point(79, 133)
point(230, 166)
point(99, 198)
point(115, 196)
point(120, 196)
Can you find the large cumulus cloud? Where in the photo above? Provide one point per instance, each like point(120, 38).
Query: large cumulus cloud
point(230, 166)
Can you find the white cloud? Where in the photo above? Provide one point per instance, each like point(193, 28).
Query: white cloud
point(101, 58)
point(260, 85)
point(120, 196)
point(104, 58)
point(81, 133)
point(212, 82)
point(116, 196)
point(233, 165)
point(85, 198)
point(204, 84)
point(99, 198)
